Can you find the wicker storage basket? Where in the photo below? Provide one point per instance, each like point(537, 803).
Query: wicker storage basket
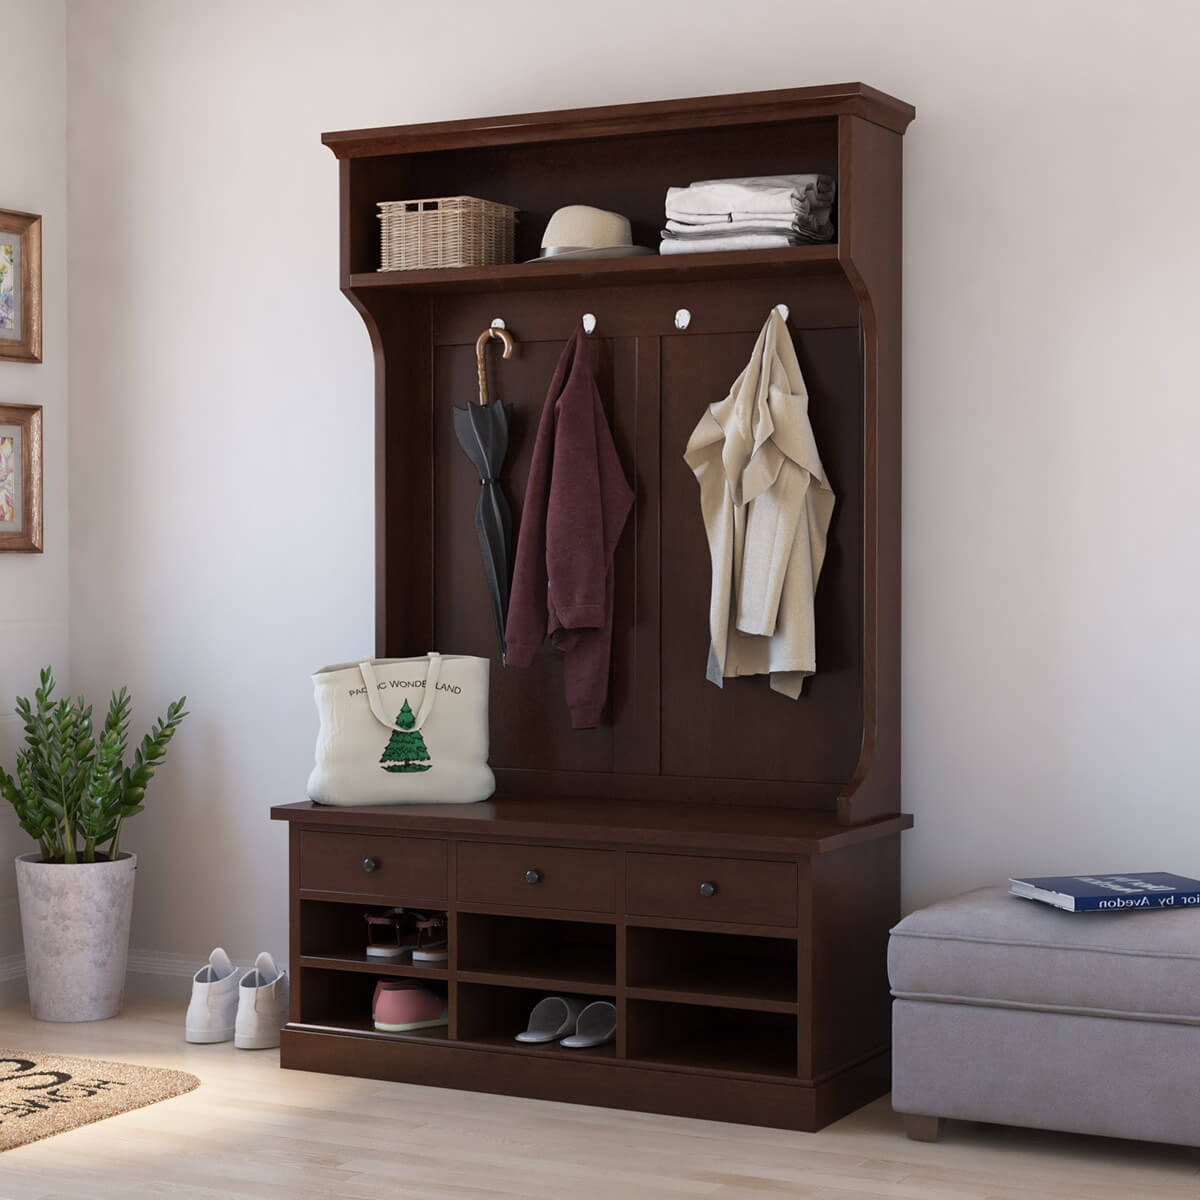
point(453, 231)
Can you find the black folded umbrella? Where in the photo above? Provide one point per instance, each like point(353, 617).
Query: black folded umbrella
point(482, 432)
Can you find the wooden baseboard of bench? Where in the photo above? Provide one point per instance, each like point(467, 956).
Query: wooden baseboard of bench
point(778, 1103)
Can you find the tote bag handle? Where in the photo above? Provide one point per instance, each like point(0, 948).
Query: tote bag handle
point(367, 670)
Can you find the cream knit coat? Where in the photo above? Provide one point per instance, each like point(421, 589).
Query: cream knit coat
point(766, 505)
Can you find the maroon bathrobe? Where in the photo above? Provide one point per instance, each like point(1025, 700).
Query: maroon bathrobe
point(576, 504)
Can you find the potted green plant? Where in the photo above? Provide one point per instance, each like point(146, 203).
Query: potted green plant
point(72, 793)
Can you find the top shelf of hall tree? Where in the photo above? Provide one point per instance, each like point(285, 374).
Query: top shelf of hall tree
point(622, 158)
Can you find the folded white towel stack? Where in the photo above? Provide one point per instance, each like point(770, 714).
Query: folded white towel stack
point(749, 214)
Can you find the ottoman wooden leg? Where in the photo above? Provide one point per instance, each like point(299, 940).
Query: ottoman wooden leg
point(922, 1129)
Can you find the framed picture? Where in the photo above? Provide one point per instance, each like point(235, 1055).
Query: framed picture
point(20, 287)
point(21, 478)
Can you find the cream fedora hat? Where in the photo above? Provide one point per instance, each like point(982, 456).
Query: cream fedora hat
point(578, 231)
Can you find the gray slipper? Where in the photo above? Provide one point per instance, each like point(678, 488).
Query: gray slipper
point(597, 1025)
point(551, 1018)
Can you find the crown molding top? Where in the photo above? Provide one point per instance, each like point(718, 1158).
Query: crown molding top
point(619, 120)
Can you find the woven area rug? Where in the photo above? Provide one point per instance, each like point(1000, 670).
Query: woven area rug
point(45, 1094)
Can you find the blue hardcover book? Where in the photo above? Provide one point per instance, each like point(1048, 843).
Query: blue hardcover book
point(1110, 893)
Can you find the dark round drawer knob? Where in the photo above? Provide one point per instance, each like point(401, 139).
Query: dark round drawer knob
point(708, 889)
point(369, 865)
point(533, 876)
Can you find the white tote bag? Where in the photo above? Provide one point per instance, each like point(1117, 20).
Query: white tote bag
point(403, 731)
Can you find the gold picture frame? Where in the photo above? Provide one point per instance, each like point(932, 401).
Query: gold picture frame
point(21, 478)
point(20, 287)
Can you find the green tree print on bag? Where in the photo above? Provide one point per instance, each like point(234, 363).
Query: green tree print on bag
point(406, 750)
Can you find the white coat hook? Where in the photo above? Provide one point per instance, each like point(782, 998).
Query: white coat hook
point(683, 318)
point(782, 310)
point(589, 322)
point(498, 323)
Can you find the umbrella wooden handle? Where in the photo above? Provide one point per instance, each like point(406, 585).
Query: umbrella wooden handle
point(481, 361)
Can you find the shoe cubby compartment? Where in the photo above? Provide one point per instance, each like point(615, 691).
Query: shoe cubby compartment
point(577, 956)
point(333, 936)
point(723, 969)
point(342, 1000)
point(711, 1039)
point(493, 1016)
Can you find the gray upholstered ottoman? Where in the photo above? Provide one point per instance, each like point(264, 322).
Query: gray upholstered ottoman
point(1010, 1011)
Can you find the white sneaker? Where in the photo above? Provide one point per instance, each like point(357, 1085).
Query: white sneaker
point(262, 1005)
point(214, 1001)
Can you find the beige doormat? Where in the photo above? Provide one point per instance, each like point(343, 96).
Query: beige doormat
point(45, 1094)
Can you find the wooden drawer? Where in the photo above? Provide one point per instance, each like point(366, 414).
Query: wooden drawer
point(403, 868)
point(744, 891)
point(558, 876)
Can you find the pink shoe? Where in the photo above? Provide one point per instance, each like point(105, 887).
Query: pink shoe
point(402, 1005)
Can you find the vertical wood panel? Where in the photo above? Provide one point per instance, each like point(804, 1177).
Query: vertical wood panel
point(805, 1049)
point(452, 937)
point(294, 923)
point(870, 252)
point(855, 902)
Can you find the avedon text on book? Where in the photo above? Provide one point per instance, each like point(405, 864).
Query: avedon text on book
point(1138, 888)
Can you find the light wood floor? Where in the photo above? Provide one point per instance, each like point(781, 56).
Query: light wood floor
point(253, 1130)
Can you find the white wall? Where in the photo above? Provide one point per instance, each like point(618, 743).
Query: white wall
point(221, 400)
point(33, 587)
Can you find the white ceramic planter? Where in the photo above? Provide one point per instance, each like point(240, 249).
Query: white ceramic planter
point(75, 920)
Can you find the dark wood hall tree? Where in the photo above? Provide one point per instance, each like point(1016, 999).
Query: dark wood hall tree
point(722, 863)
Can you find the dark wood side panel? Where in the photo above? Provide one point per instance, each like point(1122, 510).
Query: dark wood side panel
point(855, 900)
point(294, 926)
point(870, 250)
